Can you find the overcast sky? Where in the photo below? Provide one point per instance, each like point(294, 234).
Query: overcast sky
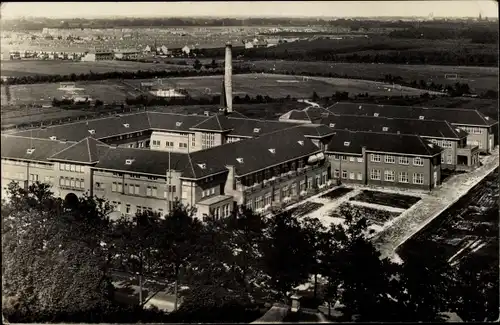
point(443, 8)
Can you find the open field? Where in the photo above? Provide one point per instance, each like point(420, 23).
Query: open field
point(478, 78)
point(275, 85)
point(107, 91)
point(52, 67)
point(388, 199)
point(470, 224)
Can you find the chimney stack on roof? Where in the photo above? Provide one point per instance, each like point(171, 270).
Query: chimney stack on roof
point(228, 76)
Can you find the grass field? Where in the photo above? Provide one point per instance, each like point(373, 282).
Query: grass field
point(107, 91)
point(478, 78)
point(275, 85)
point(36, 67)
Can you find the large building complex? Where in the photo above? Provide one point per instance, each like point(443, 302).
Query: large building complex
point(148, 160)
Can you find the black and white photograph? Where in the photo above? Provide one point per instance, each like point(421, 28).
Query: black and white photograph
point(250, 162)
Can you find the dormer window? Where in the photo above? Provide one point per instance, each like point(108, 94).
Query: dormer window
point(332, 125)
point(129, 161)
point(430, 145)
point(30, 151)
point(347, 144)
point(487, 118)
point(421, 117)
point(385, 128)
point(240, 160)
point(256, 130)
point(206, 113)
point(178, 124)
point(202, 166)
point(375, 114)
point(53, 137)
point(272, 150)
point(126, 125)
point(359, 107)
point(301, 142)
point(92, 131)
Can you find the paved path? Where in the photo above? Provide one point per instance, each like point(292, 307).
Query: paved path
point(417, 217)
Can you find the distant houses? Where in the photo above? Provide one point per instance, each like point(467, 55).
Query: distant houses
point(98, 56)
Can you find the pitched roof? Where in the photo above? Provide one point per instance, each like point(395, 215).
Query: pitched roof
point(316, 130)
point(102, 128)
point(143, 160)
point(245, 127)
point(429, 128)
point(352, 142)
point(310, 114)
point(16, 147)
point(84, 151)
point(254, 153)
point(217, 123)
point(452, 115)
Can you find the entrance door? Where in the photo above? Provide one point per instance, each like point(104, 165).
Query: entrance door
point(435, 178)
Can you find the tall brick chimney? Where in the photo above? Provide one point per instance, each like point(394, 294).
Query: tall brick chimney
point(228, 78)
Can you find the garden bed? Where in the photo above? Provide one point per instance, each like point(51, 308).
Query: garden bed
point(305, 208)
point(336, 193)
point(374, 216)
point(389, 199)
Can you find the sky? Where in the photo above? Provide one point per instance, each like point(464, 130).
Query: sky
point(464, 8)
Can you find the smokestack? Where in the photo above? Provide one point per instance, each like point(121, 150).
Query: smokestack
point(228, 78)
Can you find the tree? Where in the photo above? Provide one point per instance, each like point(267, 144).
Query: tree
point(285, 254)
point(53, 262)
point(197, 64)
point(317, 242)
point(136, 241)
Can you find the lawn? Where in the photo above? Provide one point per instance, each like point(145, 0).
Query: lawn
point(478, 78)
point(336, 193)
point(374, 216)
point(107, 91)
point(51, 67)
point(275, 85)
point(388, 199)
point(305, 208)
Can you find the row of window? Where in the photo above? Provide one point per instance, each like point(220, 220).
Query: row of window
point(135, 189)
point(345, 174)
point(351, 159)
point(286, 191)
point(139, 144)
point(472, 130)
point(139, 209)
point(71, 168)
point(74, 183)
point(417, 161)
point(232, 139)
point(390, 176)
point(221, 212)
point(210, 191)
point(207, 140)
point(442, 143)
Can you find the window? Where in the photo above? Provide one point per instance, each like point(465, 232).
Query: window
point(61, 167)
point(344, 158)
point(155, 191)
point(375, 158)
point(404, 160)
point(403, 177)
point(212, 191)
point(303, 185)
point(351, 159)
point(131, 189)
point(390, 159)
point(61, 181)
point(193, 140)
point(418, 178)
point(449, 159)
point(336, 157)
point(249, 205)
point(336, 173)
point(148, 191)
point(389, 175)
point(183, 145)
point(267, 199)
point(360, 177)
point(360, 159)
point(120, 187)
point(351, 175)
point(72, 168)
point(67, 182)
point(344, 174)
point(417, 161)
point(66, 167)
point(294, 189)
point(136, 189)
point(375, 174)
point(82, 183)
point(207, 140)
